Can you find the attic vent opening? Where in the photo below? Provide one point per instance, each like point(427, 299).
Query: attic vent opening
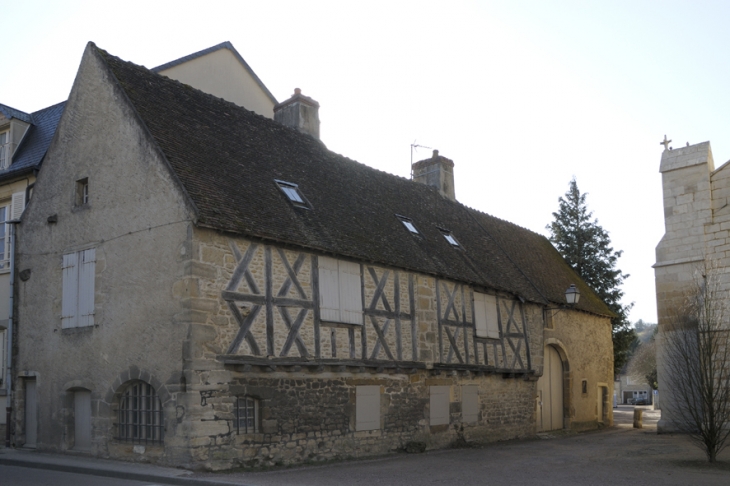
point(291, 191)
point(450, 238)
point(408, 223)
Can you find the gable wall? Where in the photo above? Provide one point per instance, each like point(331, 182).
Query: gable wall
point(221, 74)
point(137, 222)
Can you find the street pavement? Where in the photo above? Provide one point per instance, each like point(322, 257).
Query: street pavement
point(615, 455)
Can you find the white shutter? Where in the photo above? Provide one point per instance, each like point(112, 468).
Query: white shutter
point(439, 405)
point(490, 303)
point(480, 315)
point(18, 205)
point(69, 290)
point(367, 407)
point(470, 404)
point(350, 294)
point(86, 287)
point(329, 290)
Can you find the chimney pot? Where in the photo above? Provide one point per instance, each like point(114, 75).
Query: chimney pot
point(297, 91)
point(435, 154)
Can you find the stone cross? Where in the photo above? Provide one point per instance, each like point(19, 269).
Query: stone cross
point(665, 142)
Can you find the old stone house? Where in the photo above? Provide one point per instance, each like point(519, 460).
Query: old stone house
point(203, 286)
point(24, 139)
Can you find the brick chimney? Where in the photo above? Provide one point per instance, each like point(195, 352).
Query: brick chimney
point(300, 112)
point(438, 172)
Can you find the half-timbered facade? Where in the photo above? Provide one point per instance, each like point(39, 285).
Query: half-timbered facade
point(255, 299)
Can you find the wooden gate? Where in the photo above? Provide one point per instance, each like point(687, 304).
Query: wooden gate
point(550, 392)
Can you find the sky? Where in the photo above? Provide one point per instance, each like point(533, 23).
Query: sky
point(521, 95)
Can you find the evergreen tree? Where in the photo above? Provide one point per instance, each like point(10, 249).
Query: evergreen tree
point(586, 246)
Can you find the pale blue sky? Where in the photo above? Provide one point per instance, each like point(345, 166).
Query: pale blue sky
point(522, 95)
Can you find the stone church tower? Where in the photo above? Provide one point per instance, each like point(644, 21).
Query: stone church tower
point(697, 232)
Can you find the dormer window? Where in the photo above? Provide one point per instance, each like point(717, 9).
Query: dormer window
point(408, 223)
point(450, 238)
point(292, 193)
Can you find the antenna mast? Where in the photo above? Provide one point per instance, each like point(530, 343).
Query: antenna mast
point(415, 146)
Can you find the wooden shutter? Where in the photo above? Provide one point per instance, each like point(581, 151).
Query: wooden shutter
point(86, 287)
point(329, 290)
point(480, 314)
point(470, 404)
point(18, 203)
point(82, 420)
point(439, 404)
point(70, 290)
point(350, 293)
point(490, 304)
point(367, 407)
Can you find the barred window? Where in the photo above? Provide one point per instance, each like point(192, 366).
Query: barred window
point(140, 415)
point(247, 415)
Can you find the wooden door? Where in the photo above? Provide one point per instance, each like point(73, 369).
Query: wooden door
point(82, 420)
point(31, 413)
point(550, 392)
point(600, 404)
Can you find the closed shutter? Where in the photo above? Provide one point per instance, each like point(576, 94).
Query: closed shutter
point(86, 287)
point(18, 205)
point(367, 407)
point(439, 405)
point(490, 303)
point(329, 290)
point(470, 404)
point(350, 293)
point(69, 290)
point(480, 314)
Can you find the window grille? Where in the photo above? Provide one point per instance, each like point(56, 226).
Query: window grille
point(140, 415)
point(247, 415)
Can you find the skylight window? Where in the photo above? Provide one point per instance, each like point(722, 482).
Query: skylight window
point(450, 238)
point(408, 223)
point(292, 193)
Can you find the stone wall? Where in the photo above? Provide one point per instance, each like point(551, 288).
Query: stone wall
point(307, 393)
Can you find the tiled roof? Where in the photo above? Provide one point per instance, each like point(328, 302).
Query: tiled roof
point(34, 145)
point(228, 159)
point(222, 45)
point(13, 113)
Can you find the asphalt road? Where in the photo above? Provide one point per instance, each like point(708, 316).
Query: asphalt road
point(24, 476)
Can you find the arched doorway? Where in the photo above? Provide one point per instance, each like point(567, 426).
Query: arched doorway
point(550, 392)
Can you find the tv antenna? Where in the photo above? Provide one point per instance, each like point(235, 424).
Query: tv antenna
point(415, 146)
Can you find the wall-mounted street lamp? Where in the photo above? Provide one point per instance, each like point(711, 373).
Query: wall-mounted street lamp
point(572, 295)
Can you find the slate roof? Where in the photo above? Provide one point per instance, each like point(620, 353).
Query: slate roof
point(228, 158)
point(222, 45)
point(13, 113)
point(34, 145)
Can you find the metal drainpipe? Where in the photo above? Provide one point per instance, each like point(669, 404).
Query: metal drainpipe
point(9, 369)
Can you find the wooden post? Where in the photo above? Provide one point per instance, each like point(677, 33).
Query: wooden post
point(638, 413)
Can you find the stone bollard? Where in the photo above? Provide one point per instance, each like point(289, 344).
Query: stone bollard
point(638, 413)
